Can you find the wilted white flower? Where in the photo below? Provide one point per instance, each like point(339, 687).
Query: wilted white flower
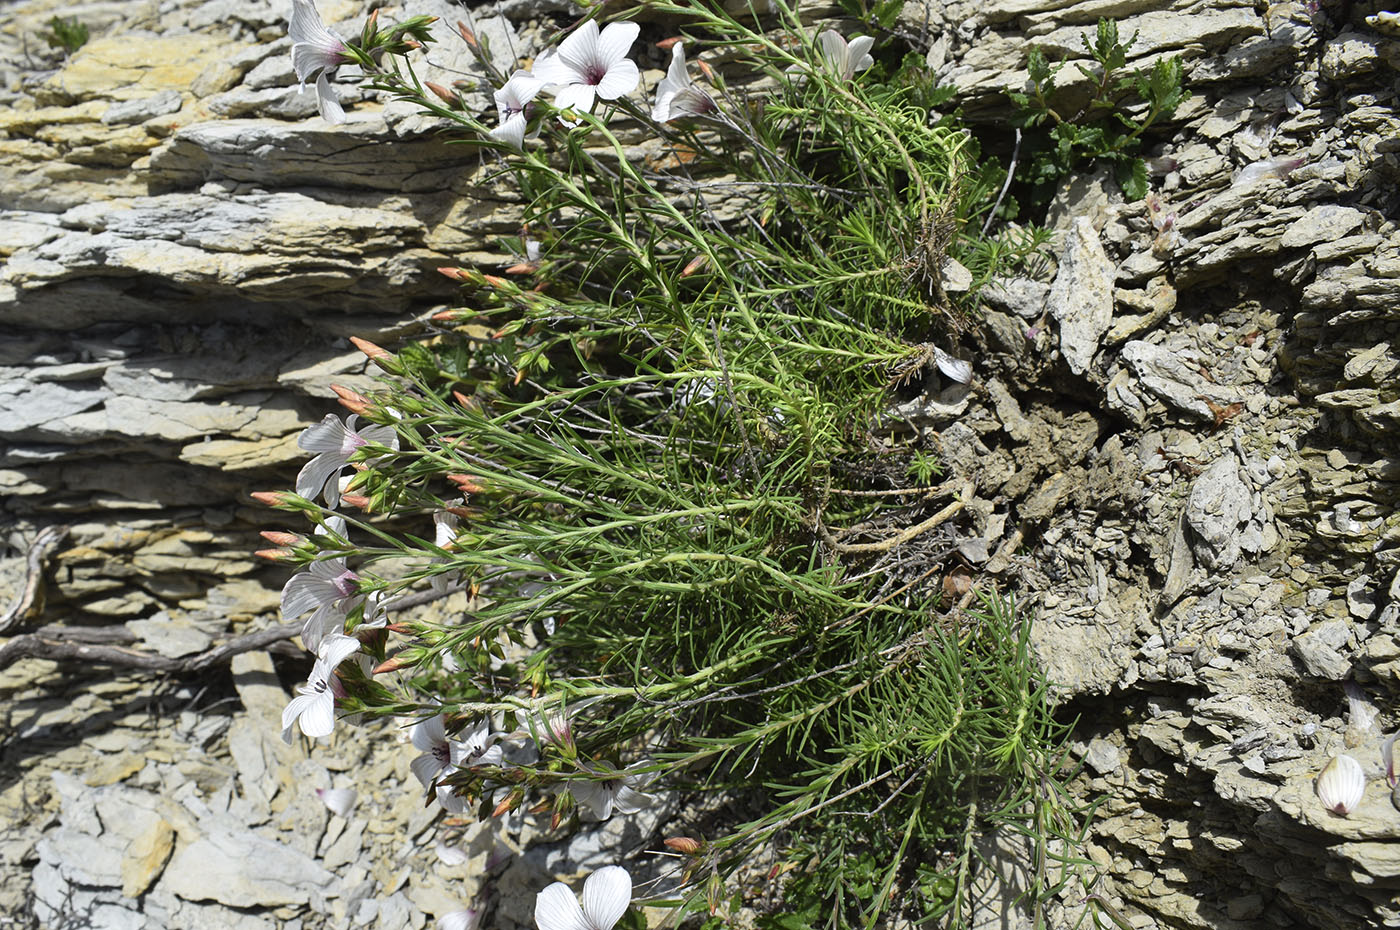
point(313, 709)
point(335, 442)
point(955, 368)
point(606, 894)
point(843, 58)
point(676, 95)
point(340, 801)
point(591, 63)
point(613, 791)
point(513, 102)
point(1388, 757)
point(317, 51)
point(1341, 785)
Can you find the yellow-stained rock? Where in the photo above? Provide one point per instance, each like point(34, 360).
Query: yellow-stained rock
point(146, 857)
point(117, 68)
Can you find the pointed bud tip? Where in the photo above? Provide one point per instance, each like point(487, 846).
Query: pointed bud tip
point(352, 400)
point(356, 500)
point(370, 349)
point(275, 555)
point(284, 539)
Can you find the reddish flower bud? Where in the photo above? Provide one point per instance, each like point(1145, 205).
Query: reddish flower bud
point(665, 44)
point(447, 96)
point(279, 538)
point(467, 483)
point(468, 37)
point(389, 665)
point(353, 401)
point(370, 349)
point(456, 274)
point(276, 555)
point(272, 498)
point(464, 400)
point(356, 500)
point(523, 268)
point(497, 282)
point(695, 264)
point(684, 844)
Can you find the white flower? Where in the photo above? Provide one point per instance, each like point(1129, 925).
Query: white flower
point(1341, 785)
point(676, 95)
point(442, 756)
point(845, 59)
point(445, 524)
point(606, 894)
point(314, 706)
point(513, 102)
point(614, 792)
point(316, 49)
point(335, 442)
point(329, 587)
point(590, 63)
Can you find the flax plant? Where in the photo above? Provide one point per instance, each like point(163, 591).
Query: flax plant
point(695, 560)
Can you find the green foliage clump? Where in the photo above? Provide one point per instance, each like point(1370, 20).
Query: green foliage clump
point(67, 34)
point(1102, 129)
point(683, 526)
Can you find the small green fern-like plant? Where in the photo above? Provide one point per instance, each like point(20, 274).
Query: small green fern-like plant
point(1108, 127)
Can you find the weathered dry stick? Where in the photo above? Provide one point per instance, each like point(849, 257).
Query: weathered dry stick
point(94, 645)
point(29, 603)
point(899, 539)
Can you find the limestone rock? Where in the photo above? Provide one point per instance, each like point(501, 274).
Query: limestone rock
point(1081, 299)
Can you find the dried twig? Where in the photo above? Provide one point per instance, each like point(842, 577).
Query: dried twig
point(29, 603)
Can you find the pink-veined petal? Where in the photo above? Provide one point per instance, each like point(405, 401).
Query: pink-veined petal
point(330, 435)
point(511, 131)
point(450, 801)
point(384, 435)
point(629, 801)
point(579, 50)
point(833, 47)
point(428, 734)
point(615, 42)
point(676, 72)
point(295, 708)
point(317, 717)
point(622, 78)
point(692, 101)
point(327, 102)
point(319, 475)
point(425, 768)
point(323, 622)
point(551, 69)
point(304, 591)
point(606, 895)
point(556, 908)
point(858, 56)
point(575, 97)
point(336, 649)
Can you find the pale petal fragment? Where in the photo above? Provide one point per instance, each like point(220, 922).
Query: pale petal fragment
point(606, 894)
point(556, 908)
point(615, 42)
point(621, 78)
point(1341, 785)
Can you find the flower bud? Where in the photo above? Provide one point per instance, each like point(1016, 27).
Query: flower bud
point(370, 349)
point(510, 802)
point(697, 263)
point(468, 37)
point(276, 555)
point(279, 538)
point(353, 401)
point(665, 44)
point(523, 268)
point(357, 500)
point(455, 274)
point(468, 484)
point(683, 844)
point(447, 96)
point(283, 500)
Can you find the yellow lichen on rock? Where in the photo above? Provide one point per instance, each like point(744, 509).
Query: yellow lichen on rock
point(119, 69)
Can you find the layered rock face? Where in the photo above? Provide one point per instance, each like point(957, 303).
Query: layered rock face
point(1184, 448)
